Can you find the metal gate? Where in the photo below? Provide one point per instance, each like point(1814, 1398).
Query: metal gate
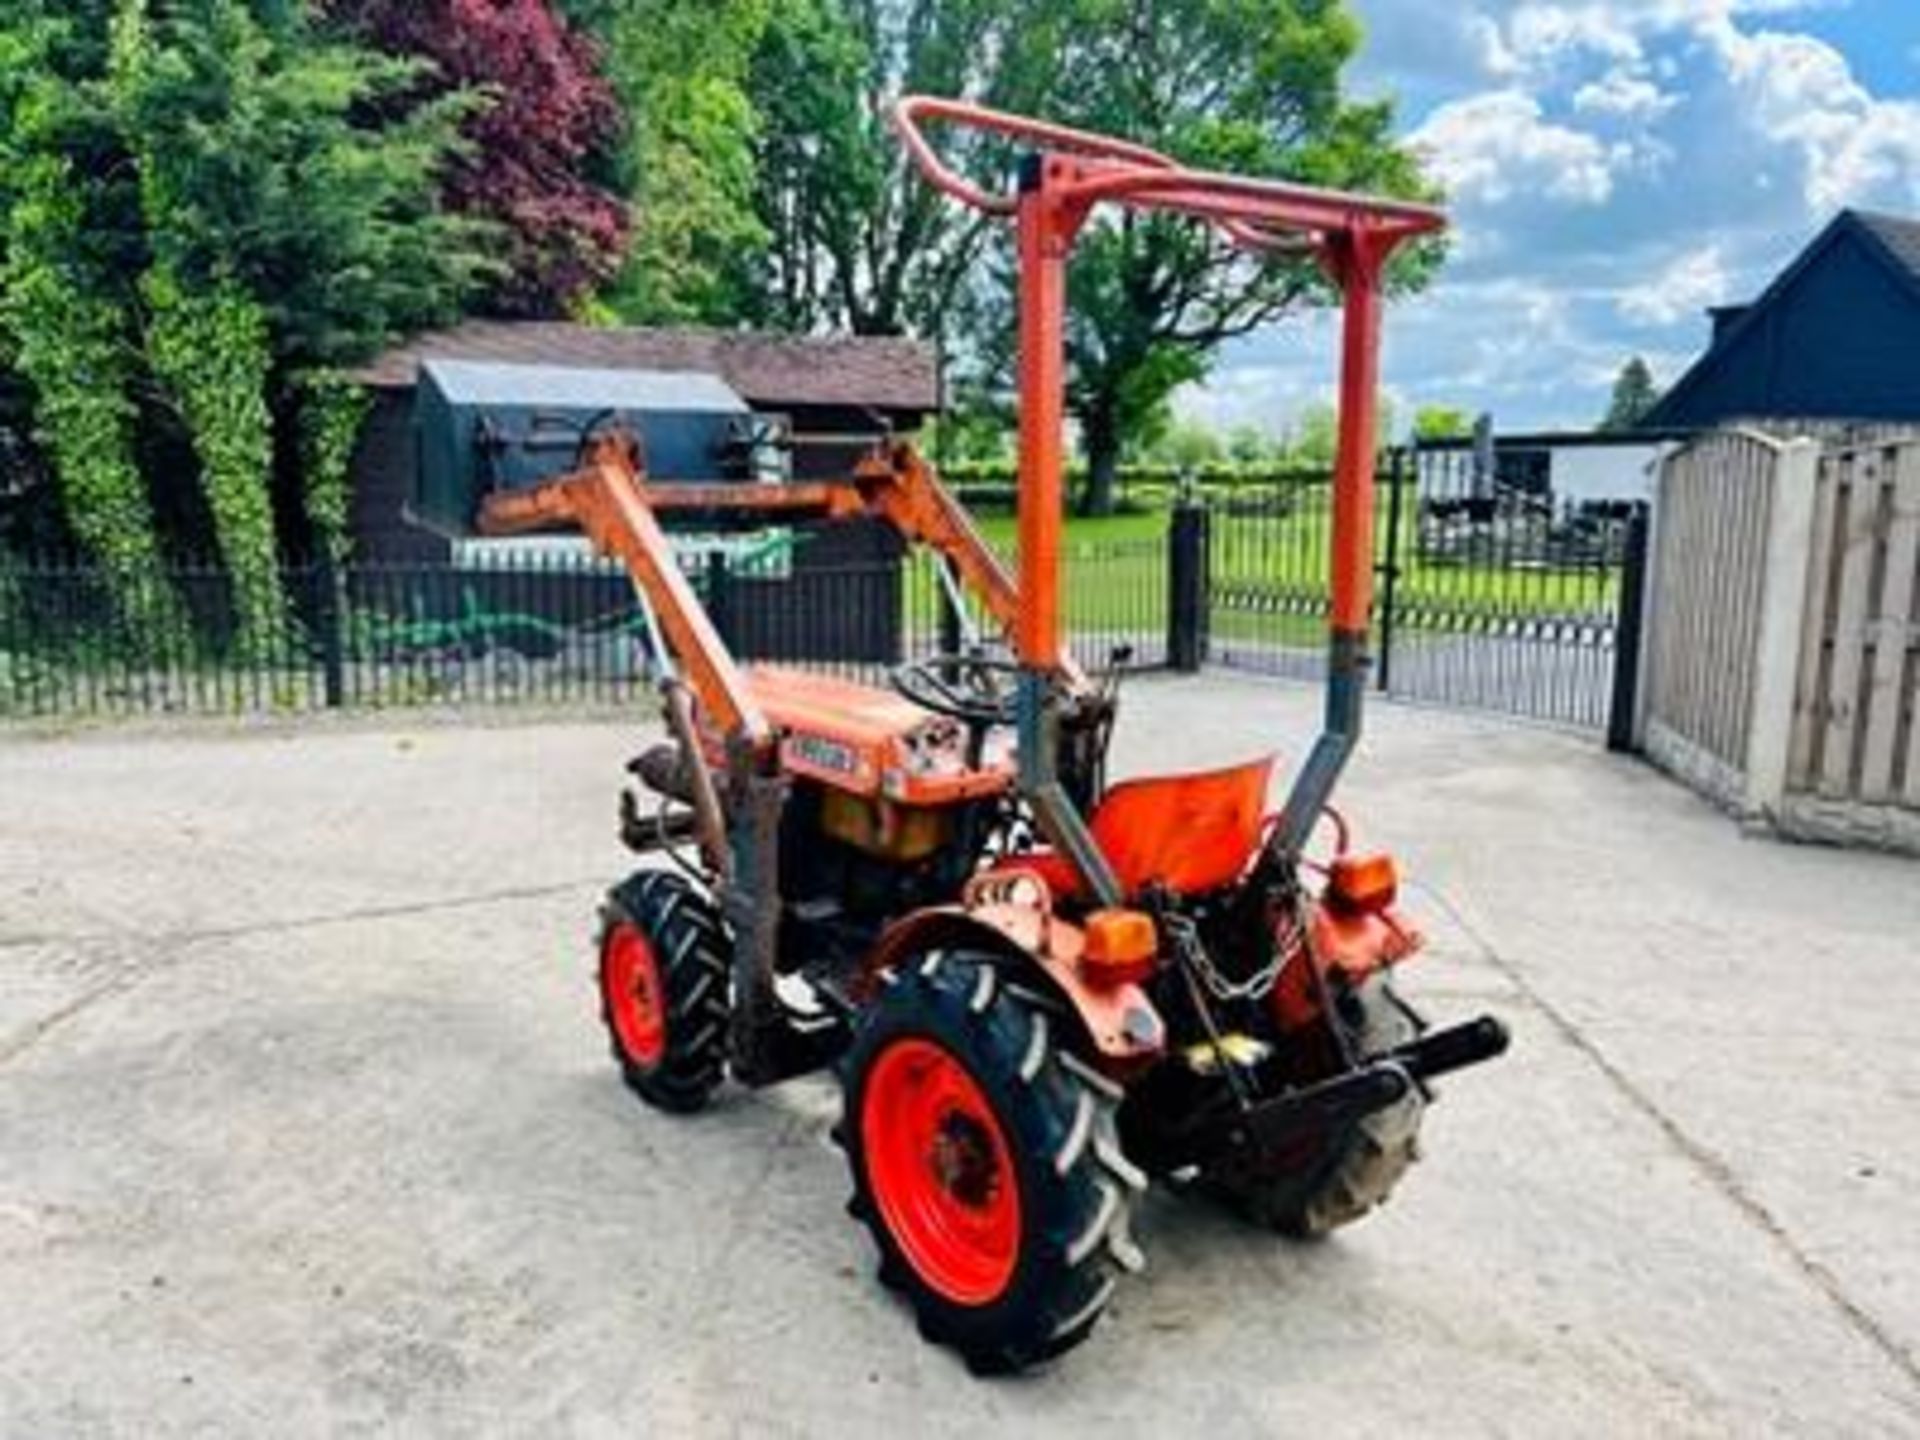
point(1491, 595)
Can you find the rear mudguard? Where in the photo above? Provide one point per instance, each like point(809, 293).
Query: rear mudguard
point(1120, 1022)
point(1348, 945)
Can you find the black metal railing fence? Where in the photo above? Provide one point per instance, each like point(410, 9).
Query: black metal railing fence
point(1488, 595)
point(524, 629)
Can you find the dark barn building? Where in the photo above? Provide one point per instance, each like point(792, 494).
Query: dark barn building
point(839, 396)
point(1835, 338)
point(495, 400)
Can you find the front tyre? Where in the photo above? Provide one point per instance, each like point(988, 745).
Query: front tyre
point(664, 989)
point(986, 1164)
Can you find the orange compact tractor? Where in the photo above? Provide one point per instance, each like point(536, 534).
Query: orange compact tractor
point(1041, 991)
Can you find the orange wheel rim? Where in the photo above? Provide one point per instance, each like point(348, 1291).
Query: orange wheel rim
point(941, 1171)
point(636, 1000)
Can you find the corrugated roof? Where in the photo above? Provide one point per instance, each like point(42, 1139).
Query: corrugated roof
point(768, 370)
point(468, 382)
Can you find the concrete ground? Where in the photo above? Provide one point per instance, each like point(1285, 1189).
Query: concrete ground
point(306, 1124)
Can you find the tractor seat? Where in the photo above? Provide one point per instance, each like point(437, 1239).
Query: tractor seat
point(1189, 833)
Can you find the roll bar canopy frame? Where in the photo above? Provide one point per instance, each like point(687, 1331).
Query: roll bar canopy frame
point(1068, 175)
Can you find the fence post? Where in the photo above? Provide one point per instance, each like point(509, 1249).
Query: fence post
point(333, 649)
point(1783, 609)
point(1630, 626)
point(719, 596)
point(952, 632)
point(1389, 569)
point(1188, 585)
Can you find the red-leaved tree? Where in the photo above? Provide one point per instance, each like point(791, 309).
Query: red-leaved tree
point(549, 116)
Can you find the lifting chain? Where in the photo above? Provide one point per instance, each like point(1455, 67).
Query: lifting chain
point(1186, 941)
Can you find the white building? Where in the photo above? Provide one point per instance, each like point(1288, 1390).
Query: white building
point(1567, 469)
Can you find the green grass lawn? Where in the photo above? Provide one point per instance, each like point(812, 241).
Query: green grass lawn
point(1275, 571)
point(1000, 530)
point(1116, 574)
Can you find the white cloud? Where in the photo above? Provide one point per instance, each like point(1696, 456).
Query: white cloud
point(1493, 146)
point(1616, 166)
point(1692, 282)
point(1623, 95)
point(1790, 91)
point(1543, 33)
point(1518, 36)
point(1797, 91)
point(1495, 55)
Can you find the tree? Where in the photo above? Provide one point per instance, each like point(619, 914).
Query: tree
point(261, 202)
point(681, 71)
point(304, 170)
point(1187, 445)
point(1252, 88)
point(1314, 436)
point(204, 211)
point(1250, 445)
point(1313, 439)
point(549, 121)
point(1441, 422)
point(974, 429)
point(61, 243)
point(855, 239)
point(1634, 396)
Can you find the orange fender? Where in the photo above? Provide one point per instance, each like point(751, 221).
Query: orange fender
point(1013, 916)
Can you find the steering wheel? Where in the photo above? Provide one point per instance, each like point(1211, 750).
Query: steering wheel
point(976, 690)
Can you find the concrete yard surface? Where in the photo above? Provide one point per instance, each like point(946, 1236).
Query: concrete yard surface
point(307, 1124)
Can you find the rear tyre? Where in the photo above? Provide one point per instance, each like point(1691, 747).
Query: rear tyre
point(986, 1164)
point(664, 989)
point(1358, 1168)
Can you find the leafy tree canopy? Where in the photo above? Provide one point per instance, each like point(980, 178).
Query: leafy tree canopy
point(858, 241)
point(1313, 437)
point(1249, 445)
point(544, 124)
point(1187, 444)
point(291, 164)
point(1634, 396)
point(1441, 422)
point(1253, 88)
point(201, 202)
point(681, 72)
point(855, 239)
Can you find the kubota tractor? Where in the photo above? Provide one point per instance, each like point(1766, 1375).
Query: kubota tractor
point(1042, 992)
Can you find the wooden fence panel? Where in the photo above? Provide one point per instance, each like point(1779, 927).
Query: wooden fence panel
point(1856, 507)
point(1783, 650)
point(1823, 578)
point(1710, 563)
point(1856, 737)
point(1889, 734)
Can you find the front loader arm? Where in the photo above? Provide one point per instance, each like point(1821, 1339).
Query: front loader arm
point(609, 499)
point(903, 489)
point(605, 500)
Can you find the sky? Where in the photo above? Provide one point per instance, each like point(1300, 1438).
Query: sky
point(1613, 168)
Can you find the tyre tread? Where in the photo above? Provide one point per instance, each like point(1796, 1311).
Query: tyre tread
point(691, 947)
point(1061, 1115)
